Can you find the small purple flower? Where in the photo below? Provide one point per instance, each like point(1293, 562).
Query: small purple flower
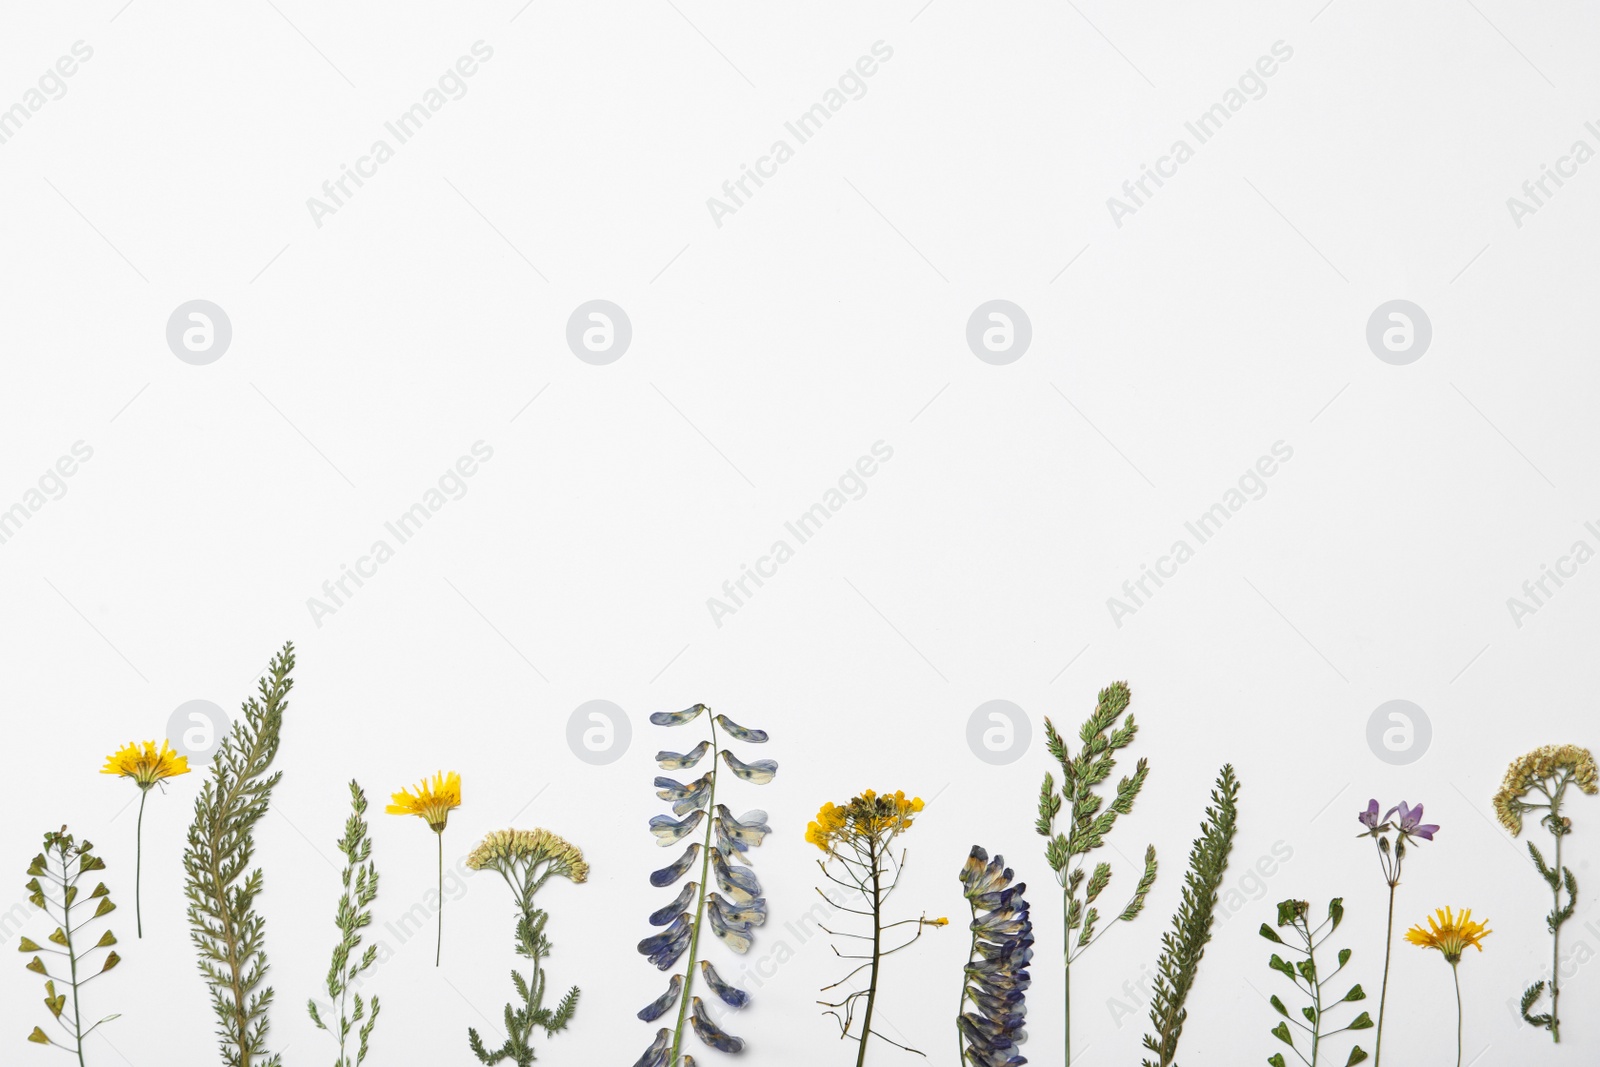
point(1369, 818)
point(1411, 824)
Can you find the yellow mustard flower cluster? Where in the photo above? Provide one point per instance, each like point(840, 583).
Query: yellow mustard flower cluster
point(504, 847)
point(1538, 767)
point(868, 816)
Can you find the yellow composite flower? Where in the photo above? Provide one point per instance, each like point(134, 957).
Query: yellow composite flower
point(432, 800)
point(1451, 934)
point(145, 763)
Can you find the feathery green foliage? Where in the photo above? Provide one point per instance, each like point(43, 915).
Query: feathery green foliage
point(61, 865)
point(227, 931)
point(521, 1022)
point(1183, 946)
point(353, 914)
point(1305, 939)
point(1089, 820)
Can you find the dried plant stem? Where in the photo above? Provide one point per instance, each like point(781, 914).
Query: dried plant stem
point(438, 935)
point(1555, 940)
point(1455, 972)
point(699, 911)
point(877, 951)
point(1383, 994)
point(138, 864)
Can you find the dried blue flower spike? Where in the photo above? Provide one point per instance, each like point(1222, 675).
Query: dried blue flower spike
point(731, 915)
point(996, 976)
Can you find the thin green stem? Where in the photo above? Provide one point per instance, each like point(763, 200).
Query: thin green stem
point(438, 937)
point(699, 908)
point(138, 863)
point(972, 954)
point(1383, 996)
point(1555, 935)
point(1455, 972)
point(1066, 951)
point(877, 954)
point(72, 955)
point(1316, 993)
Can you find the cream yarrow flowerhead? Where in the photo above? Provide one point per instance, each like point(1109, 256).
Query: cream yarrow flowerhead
point(866, 816)
point(148, 766)
point(501, 850)
point(1533, 771)
point(433, 800)
point(145, 763)
point(1451, 934)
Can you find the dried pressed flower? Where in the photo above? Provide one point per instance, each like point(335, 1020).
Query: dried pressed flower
point(1391, 836)
point(527, 859)
point(148, 766)
point(730, 915)
point(1311, 981)
point(864, 817)
point(433, 801)
point(510, 851)
point(54, 887)
point(1537, 771)
point(858, 837)
point(353, 914)
point(1089, 818)
point(1547, 773)
point(996, 977)
point(1452, 935)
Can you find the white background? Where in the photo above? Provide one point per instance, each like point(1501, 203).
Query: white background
point(768, 354)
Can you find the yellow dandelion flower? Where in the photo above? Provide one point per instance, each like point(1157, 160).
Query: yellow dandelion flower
point(145, 763)
point(433, 800)
point(1450, 934)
